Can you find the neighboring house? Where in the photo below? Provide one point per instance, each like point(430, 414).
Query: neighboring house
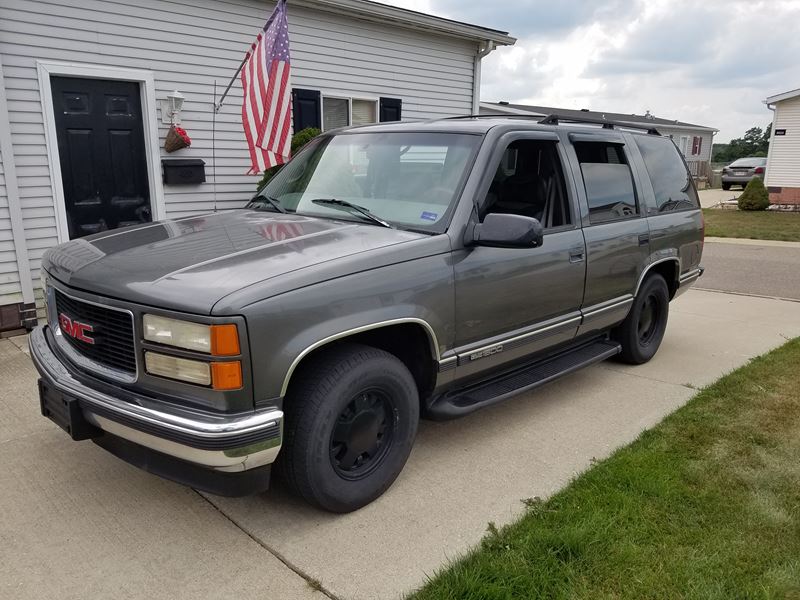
point(694, 141)
point(83, 87)
point(783, 158)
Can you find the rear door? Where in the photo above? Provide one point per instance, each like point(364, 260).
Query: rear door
point(671, 201)
point(614, 226)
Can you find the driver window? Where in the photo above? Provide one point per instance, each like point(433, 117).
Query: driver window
point(529, 181)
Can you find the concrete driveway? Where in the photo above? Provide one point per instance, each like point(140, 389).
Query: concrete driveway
point(77, 523)
point(712, 197)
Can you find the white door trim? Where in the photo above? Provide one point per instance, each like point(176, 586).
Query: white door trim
point(147, 89)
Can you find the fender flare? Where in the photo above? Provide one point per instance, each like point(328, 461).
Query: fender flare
point(355, 330)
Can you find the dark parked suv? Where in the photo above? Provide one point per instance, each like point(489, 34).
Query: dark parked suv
point(387, 273)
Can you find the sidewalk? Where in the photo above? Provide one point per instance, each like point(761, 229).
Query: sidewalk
point(751, 242)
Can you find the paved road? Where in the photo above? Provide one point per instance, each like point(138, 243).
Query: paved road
point(752, 268)
point(76, 522)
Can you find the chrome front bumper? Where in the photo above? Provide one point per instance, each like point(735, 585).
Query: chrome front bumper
point(223, 443)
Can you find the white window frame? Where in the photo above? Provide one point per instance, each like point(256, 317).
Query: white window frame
point(684, 145)
point(349, 99)
point(147, 90)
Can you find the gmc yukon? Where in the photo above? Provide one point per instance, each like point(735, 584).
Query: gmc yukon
point(386, 273)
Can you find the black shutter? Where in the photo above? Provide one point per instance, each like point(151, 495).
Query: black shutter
point(306, 105)
point(390, 109)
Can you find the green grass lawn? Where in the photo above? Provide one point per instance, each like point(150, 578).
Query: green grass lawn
point(705, 505)
point(757, 225)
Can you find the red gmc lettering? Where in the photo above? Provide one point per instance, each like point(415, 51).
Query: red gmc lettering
point(75, 329)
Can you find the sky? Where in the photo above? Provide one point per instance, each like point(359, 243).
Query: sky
point(708, 62)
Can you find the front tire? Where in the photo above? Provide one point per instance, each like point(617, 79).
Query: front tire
point(351, 419)
point(641, 333)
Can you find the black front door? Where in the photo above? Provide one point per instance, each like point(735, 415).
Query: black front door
point(102, 153)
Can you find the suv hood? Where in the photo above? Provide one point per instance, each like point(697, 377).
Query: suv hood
point(189, 264)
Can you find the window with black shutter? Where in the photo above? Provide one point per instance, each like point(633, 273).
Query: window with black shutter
point(390, 109)
point(306, 109)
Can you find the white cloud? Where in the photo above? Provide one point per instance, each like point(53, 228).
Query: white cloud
point(710, 63)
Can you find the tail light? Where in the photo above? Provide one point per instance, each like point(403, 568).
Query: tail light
point(759, 171)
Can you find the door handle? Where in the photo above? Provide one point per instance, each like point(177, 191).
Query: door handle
point(576, 255)
point(644, 239)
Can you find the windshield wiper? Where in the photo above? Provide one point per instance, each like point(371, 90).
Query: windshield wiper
point(345, 205)
point(273, 202)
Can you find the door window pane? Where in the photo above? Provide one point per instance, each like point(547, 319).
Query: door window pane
point(364, 112)
point(335, 113)
point(671, 181)
point(529, 181)
point(608, 181)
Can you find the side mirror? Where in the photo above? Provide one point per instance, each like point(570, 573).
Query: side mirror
point(501, 230)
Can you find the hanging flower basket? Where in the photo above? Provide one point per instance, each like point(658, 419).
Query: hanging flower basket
point(177, 138)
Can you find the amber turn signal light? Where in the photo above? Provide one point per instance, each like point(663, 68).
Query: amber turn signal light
point(224, 340)
point(226, 375)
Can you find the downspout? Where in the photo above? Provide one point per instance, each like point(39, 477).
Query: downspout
point(476, 75)
point(769, 148)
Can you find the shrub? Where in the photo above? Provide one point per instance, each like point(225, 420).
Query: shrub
point(299, 139)
point(755, 196)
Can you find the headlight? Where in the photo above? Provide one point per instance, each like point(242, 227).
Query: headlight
point(192, 371)
point(224, 376)
point(219, 340)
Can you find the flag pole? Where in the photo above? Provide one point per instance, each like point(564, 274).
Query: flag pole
point(214, 145)
point(230, 83)
point(239, 70)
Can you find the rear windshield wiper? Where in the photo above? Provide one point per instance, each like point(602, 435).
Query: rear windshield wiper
point(345, 205)
point(273, 202)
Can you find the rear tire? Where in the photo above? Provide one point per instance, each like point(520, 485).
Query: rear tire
point(726, 186)
point(351, 419)
point(641, 333)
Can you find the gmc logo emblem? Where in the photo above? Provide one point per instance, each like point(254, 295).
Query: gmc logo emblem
point(75, 329)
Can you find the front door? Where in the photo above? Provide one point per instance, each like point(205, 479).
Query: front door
point(101, 149)
point(514, 302)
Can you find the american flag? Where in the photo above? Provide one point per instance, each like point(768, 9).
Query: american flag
point(266, 109)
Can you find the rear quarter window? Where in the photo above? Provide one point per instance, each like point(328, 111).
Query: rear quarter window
point(672, 184)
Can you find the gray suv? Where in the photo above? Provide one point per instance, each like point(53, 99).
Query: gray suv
point(387, 273)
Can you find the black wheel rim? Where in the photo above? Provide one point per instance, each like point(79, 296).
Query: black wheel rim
point(362, 434)
point(648, 320)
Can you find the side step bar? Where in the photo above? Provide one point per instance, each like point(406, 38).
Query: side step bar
point(469, 399)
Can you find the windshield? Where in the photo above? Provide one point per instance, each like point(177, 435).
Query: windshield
point(749, 162)
point(410, 180)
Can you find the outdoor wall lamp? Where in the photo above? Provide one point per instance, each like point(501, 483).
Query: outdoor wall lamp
point(171, 108)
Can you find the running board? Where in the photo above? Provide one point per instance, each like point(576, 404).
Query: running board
point(469, 399)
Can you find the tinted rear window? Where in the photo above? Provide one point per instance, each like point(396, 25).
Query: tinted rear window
point(671, 181)
point(608, 181)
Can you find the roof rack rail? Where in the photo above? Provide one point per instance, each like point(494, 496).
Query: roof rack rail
point(555, 119)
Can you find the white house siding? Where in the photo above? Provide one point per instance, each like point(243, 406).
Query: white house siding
point(10, 289)
point(783, 164)
point(677, 134)
point(188, 44)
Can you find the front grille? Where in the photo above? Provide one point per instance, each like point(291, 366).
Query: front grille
point(112, 332)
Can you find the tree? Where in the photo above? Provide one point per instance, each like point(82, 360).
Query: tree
point(754, 142)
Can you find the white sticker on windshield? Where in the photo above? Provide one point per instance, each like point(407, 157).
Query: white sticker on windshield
point(428, 216)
